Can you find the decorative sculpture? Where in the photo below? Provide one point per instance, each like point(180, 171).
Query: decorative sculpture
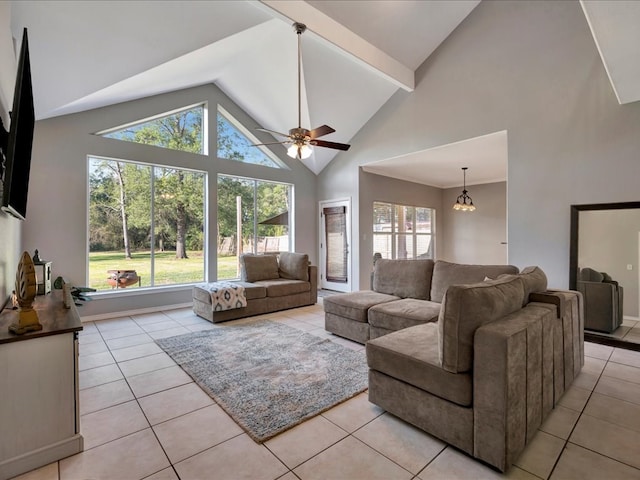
point(25, 293)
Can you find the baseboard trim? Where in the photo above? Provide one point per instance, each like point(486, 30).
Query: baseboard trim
point(42, 456)
point(611, 341)
point(127, 313)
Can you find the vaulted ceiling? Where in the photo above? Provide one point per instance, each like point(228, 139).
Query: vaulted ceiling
point(355, 55)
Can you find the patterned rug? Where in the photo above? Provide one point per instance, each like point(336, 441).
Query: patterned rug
point(269, 377)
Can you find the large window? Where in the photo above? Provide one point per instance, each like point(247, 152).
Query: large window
point(253, 217)
point(178, 130)
point(402, 232)
point(237, 143)
point(146, 225)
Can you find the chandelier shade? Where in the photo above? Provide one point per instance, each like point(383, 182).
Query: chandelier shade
point(464, 202)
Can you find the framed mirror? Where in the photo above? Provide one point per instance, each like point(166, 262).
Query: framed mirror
point(604, 266)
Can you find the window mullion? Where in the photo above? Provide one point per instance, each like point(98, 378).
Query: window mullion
point(152, 249)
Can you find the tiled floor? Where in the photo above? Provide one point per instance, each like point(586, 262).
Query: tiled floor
point(629, 331)
point(143, 417)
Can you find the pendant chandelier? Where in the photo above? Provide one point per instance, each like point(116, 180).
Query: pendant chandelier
point(464, 202)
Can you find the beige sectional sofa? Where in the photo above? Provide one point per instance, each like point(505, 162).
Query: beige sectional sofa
point(483, 372)
point(271, 283)
point(405, 293)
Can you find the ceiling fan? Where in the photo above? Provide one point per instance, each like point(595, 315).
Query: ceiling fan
point(300, 140)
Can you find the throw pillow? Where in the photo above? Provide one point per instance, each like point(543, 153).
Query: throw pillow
point(294, 266)
point(258, 267)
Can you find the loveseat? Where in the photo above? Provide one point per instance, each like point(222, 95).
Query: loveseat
point(271, 283)
point(404, 293)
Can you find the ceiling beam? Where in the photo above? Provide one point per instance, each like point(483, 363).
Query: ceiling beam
point(345, 40)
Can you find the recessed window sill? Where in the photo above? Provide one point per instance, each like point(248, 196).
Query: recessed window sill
point(131, 292)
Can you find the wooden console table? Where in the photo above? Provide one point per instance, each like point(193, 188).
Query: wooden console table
point(39, 410)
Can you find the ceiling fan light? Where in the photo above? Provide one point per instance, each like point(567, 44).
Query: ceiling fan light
point(305, 151)
point(299, 151)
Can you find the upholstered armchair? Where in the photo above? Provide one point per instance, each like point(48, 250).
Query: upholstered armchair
point(603, 300)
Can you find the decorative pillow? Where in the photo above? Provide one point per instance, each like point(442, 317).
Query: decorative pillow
point(254, 268)
point(403, 278)
point(294, 266)
point(465, 308)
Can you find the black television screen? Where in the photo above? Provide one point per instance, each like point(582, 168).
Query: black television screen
point(17, 151)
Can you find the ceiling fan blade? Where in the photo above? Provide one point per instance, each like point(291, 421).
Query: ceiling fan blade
point(271, 143)
point(273, 131)
point(320, 131)
point(337, 146)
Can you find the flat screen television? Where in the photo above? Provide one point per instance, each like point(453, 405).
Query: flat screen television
point(17, 142)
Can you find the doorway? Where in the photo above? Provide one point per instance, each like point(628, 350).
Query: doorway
point(335, 241)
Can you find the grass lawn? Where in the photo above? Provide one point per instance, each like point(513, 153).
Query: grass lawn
point(168, 269)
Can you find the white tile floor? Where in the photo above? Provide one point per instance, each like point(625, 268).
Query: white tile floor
point(143, 417)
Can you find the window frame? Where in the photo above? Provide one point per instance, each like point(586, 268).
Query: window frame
point(394, 234)
point(291, 194)
point(280, 165)
point(205, 225)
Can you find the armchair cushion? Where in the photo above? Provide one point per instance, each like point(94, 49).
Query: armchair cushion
point(467, 307)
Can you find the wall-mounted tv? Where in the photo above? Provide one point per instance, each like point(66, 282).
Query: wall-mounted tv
point(17, 142)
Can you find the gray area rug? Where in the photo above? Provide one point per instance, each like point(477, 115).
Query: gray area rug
point(269, 377)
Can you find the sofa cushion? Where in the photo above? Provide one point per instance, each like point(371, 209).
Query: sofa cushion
point(411, 355)
point(467, 307)
point(294, 266)
point(404, 313)
point(446, 274)
point(403, 278)
point(251, 292)
point(590, 275)
point(534, 280)
point(280, 287)
point(355, 305)
point(258, 267)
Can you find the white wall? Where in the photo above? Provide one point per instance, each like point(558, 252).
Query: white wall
point(531, 68)
point(608, 242)
point(57, 219)
point(479, 236)
point(10, 228)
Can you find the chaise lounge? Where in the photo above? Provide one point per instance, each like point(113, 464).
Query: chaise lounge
point(269, 282)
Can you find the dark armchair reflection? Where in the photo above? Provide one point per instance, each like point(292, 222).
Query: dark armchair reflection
point(603, 300)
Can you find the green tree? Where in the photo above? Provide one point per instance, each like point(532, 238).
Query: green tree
point(180, 131)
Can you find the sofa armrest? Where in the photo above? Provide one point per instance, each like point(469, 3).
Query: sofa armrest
point(313, 279)
point(551, 298)
point(512, 382)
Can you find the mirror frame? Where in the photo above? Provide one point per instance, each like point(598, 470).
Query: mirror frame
point(573, 264)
